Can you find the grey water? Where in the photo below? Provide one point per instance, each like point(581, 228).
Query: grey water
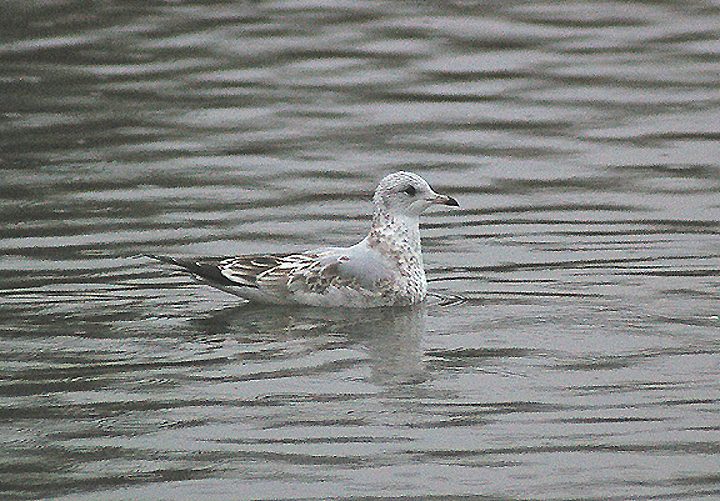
point(569, 349)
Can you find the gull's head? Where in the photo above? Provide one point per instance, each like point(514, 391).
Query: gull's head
point(407, 194)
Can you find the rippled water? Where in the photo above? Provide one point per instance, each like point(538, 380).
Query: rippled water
point(569, 349)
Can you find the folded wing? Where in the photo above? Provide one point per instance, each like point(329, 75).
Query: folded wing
point(331, 276)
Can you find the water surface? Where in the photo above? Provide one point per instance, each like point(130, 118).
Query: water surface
point(569, 349)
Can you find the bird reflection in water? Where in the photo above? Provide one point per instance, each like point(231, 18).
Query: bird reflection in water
point(388, 339)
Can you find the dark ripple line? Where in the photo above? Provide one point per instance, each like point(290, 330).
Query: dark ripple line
point(552, 265)
point(669, 447)
point(679, 226)
point(319, 440)
point(93, 370)
point(24, 488)
point(104, 409)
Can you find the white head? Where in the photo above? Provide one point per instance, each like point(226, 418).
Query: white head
point(407, 194)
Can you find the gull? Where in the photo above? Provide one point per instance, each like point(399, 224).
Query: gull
point(384, 269)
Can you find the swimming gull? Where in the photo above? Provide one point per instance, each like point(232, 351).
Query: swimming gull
point(384, 269)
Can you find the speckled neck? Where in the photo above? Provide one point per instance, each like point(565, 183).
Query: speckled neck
point(398, 230)
point(398, 238)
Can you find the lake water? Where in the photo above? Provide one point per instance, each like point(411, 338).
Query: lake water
point(569, 350)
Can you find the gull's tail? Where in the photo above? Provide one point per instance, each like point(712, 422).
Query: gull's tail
point(206, 269)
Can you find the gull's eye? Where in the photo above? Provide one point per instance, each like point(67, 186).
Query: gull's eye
point(410, 191)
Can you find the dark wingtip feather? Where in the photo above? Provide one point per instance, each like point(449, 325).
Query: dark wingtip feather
point(208, 271)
